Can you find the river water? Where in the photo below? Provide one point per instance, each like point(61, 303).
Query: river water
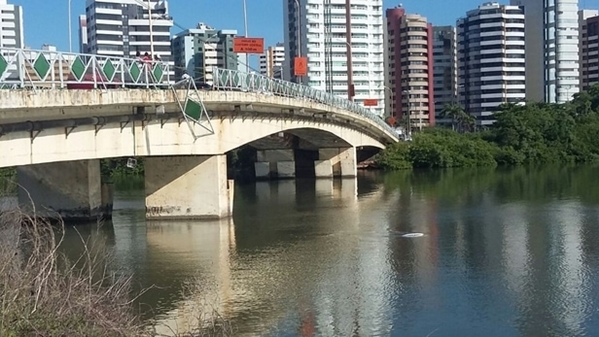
point(503, 253)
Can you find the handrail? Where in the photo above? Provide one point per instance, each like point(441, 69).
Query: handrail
point(228, 79)
point(30, 68)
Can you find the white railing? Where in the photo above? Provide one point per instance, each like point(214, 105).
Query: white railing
point(227, 79)
point(28, 68)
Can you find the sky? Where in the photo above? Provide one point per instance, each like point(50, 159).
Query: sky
point(46, 21)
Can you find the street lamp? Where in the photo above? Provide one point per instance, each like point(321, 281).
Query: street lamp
point(350, 79)
point(245, 33)
point(70, 28)
point(409, 124)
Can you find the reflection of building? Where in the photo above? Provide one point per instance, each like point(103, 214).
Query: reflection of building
point(410, 67)
point(491, 59)
point(11, 26)
point(196, 51)
point(588, 21)
point(551, 49)
point(271, 62)
point(322, 32)
point(444, 69)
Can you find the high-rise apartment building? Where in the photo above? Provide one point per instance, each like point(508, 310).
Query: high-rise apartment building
point(83, 34)
point(491, 64)
point(552, 68)
point(271, 62)
point(125, 27)
point(445, 73)
point(410, 67)
point(317, 30)
point(11, 25)
point(588, 21)
point(197, 51)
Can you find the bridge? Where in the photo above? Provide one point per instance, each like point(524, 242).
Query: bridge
point(60, 113)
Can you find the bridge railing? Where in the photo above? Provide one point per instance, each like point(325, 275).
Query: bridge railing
point(28, 68)
point(227, 79)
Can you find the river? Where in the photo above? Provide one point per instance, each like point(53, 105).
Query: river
point(503, 253)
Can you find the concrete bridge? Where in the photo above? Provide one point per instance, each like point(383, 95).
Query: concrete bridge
point(61, 113)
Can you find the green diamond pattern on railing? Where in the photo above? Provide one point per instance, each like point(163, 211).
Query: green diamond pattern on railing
point(41, 66)
point(109, 70)
point(158, 72)
point(248, 80)
point(193, 109)
point(236, 79)
point(3, 65)
point(78, 68)
point(224, 77)
point(135, 72)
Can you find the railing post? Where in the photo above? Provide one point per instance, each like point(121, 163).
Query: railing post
point(95, 71)
point(60, 71)
point(20, 58)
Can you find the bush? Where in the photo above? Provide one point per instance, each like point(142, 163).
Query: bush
point(43, 294)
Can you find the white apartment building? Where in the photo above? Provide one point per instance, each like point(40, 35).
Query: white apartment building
point(11, 25)
point(271, 62)
point(445, 73)
point(122, 27)
point(491, 59)
point(197, 51)
point(552, 63)
point(321, 37)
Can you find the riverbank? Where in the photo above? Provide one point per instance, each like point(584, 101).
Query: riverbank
point(535, 133)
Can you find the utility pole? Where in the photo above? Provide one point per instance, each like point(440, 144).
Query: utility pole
point(151, 33)
point(70, 30)
point(350, 80)
point(245, 27)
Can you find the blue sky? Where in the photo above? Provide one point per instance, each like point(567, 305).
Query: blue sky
point(46, 21)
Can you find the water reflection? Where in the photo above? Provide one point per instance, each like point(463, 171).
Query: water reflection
point(504, 253)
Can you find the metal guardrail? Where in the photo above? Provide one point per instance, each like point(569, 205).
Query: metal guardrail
point(28, 68)
point(38, 69)
point(227, 79)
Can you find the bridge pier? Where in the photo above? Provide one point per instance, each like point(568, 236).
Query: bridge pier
point(70, 190)
point(336, 162)
point(273, 164)
point(188, 187)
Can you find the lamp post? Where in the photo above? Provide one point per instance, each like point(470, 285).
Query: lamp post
point(245, 33)
point(350, 77)
point(298, 35)
point(409, 124)
point(70, 28)
point(390, 105)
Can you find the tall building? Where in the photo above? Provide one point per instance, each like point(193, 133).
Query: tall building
point(196, 51)
point(83, 34)
point(552, 68)
point(122, 27)
point(588, 21)
point(271, 62)
point(317, 30)
point(410, 67)
point(491, 64)
point(445, 72)
point(11, 26)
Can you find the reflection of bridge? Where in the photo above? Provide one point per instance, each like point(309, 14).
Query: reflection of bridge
point(128, 108)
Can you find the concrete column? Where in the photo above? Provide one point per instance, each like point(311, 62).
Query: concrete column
point(188, 187)
point(336, 162)
point(72, 191)
point(273, 164)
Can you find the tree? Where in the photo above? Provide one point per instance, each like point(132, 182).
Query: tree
point(453, 111)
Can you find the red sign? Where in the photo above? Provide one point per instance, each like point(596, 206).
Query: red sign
point(246, 45)
point(300, 66)
point(371, 102)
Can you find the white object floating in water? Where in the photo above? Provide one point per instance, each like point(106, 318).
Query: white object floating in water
point(412, 235)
